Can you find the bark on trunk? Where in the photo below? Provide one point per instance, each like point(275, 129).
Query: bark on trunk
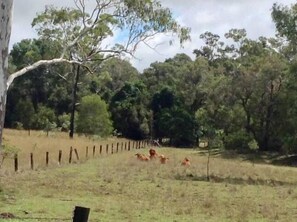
point(74, 98)
point(5, 30)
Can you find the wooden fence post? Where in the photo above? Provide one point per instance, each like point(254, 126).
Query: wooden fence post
point(112, 148)
point(46, 158)
point(87, 152)
point(81, 214)
point(100, 149)
point(117, 147)
point(60, 157)
point(31, 161)
point(94, 148)
point(70, 155)
point(76, 154)
point(122, 146)
point(125, 145)
point(106, 148)
point(16, 162)
point(129, 146)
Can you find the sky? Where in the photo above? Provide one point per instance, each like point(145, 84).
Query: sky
point(216, 16)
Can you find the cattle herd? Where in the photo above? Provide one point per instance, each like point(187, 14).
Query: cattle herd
point(153, 155)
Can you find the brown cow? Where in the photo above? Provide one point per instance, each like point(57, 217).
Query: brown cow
point(186, 162)
point(163, 159)
point(153, 154)
point(142, 157)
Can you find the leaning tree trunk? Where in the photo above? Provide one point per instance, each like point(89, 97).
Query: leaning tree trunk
point(5, 30)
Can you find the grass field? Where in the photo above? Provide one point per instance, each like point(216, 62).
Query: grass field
point(39, 143)
point(120, 188)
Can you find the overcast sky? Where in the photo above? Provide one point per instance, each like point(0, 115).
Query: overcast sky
point(216, 16)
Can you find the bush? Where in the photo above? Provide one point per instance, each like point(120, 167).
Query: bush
point(25, 113)
point(93, 117)
point(44, 119)
point(64, 122)
point(238, 141)
point(7, 152)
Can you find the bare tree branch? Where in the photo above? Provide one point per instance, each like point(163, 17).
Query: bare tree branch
point(41, 63)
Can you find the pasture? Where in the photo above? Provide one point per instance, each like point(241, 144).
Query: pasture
point(119, 187)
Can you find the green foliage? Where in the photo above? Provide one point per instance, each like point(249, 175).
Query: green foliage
point(111, 77)
point(93, 117)
point(64, 122)
point(129, 111)
point(7, 152)
point(284, 18)
point(179, 125)
point(239, 140)
point(172, 119)
point(44, 119)
point(134, 20)
point(242, 91)
point(25, 113)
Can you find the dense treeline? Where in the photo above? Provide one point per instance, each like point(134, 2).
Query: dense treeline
point(238, 92)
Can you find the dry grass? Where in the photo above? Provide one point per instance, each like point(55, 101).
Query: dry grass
point(121, 188)
point(39, 143)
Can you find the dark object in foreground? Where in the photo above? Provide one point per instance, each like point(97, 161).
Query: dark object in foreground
point(81, 214)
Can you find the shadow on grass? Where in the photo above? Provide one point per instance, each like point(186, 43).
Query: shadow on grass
point(290, 160)
point(273, 158)
point(233, 180)
point(213, 152)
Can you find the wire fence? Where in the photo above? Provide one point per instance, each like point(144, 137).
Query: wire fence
point(74, 155)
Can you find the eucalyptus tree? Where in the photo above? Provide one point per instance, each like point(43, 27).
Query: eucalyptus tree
point(245, 91)
point(82, 34)
point(5, 30)
point(285, 19)
point(110, 76)
point(178, 72)
point(258, 86)
point(139, 20)
point(212, 48)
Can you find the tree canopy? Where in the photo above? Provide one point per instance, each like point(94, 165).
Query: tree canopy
point(237, 91)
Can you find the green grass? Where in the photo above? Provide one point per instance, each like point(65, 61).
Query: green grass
point(120, 188)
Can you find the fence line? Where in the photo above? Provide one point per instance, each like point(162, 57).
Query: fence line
point(124, 146)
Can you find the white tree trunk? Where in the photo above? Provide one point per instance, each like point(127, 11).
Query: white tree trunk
point(5, 30)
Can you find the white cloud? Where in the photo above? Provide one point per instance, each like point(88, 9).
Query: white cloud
point(217, 16)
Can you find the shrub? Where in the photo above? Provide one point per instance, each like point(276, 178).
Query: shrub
point(44, 118)
point(8, 151)
point(93, 117)
point(239, 140)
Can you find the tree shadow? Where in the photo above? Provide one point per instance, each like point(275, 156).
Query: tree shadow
point(234, 180)
point(288, 160)
point(273, 158)
point(212, 152)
